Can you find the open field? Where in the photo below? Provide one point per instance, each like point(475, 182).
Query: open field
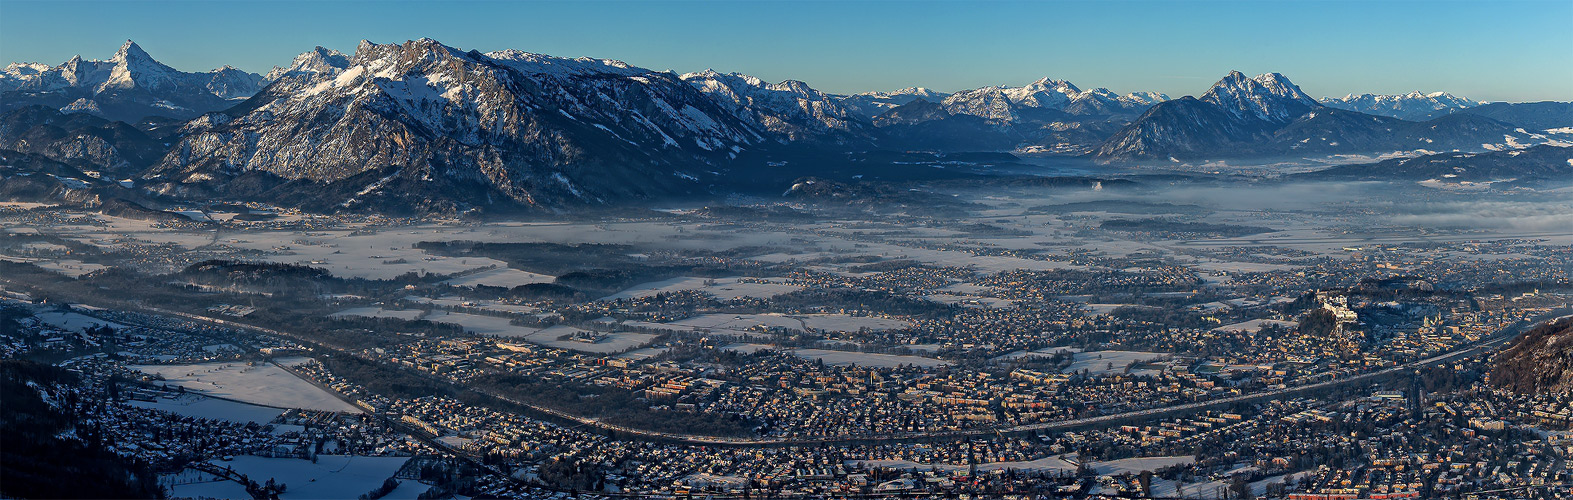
point(190, 483)
point(197, 406)
point(74, 322)
point(1256, 325)
point(263, 384)
point(503, 277)
point(332, 476)
point(607, 343)
point(1111, 362)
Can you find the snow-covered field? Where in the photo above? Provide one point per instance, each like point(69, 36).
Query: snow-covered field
point(1111, 362)
point(1138, 464)
point(194, 484)
point(643, 354)
point(1044, 352)
point(74, 322)
point(193, 405)
point(1102, 309)
point(332, 477)
point(612, 342)
point(747, 348)
point(503, 277)
point(263, 384)
point(1256, 325)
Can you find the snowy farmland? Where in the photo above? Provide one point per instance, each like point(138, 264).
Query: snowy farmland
point(503, 277)
point(1111, 362)
point(71, 321)
point(1256, 325)
point(193, 405)
point(332, 476)
point(262, 384)
point(606, 342)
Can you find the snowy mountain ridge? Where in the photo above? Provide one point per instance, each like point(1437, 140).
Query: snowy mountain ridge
point(424, 126)
point(1268, 115)
point(871, 104)
point(128, 83)
point(1268, 97)
point(1410, 106)
point(790, 108)
point(1005, 104)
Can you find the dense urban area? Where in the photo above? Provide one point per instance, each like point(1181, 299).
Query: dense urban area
point(1075, 342)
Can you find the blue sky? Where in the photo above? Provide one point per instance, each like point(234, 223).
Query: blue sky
point(1495, 50)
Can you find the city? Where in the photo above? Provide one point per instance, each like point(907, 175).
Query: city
point(420, 262)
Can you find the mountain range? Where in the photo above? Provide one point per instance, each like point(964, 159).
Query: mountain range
point(1269, 116)
point(425, 127)
point(1411, 106)
point(127, 87)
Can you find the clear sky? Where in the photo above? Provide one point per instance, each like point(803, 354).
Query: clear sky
point(1513, 50)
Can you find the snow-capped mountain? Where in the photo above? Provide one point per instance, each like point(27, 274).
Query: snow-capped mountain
point(421, 126)
point(15, 74)
point(424, 127)
point(309, 64)
point(230, 83)
point(126, 87)
point(1044, 100)
point(790, 109)
point(1267, 97)
point(1268, 115)
point(871, 104)
point(1411, 106)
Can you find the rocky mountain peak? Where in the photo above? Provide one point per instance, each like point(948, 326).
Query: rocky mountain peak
point(1269, 97)
point(130, 51)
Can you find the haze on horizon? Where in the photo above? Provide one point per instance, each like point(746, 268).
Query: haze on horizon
point(1495, 51)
